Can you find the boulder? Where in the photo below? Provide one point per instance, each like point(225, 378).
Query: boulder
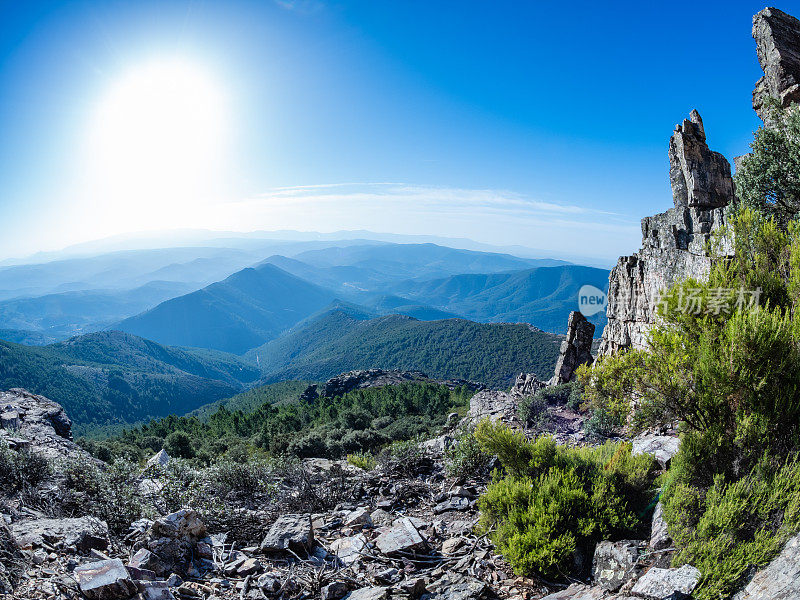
point(360, 517)
point(780, 580)
point(334, 591)
point(526, 384)
point(667, 584)
point(41, 423)
point(159, 459)
point(458, 587)
point(614, 563)
point(370, 593)
point(153, 590)
point(402, 538)
point(659, 536)
point(184, 523)
point(662, 447)
point(82, 533)
point(493, 405)
point(576, 349)
point(294, 532)
point(349, 549)
point(577, 591)
point(777, 37)
point(105, 580)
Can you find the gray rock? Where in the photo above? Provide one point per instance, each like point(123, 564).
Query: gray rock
point(334, 591)
point(577, 591)
point(105, 580)
point(360, 517)
point(403, 537)
point(576, 349)
point(144, 559)
point(659, 536)
point(526, 384)
point(700, 178)
point(349, 549)
point(159, 459)
point(289, 531)
point(41, 423)
point(154, 590)
point(493, 405)
point(381, 517)
point(777, 38)
point(453, 503)
point(458, 587)
point(667, 584)
point(780, 580)
point(673, 248)
point(370, 593)
point(83, 533)
point(662, 447)
point(614, 564)
point(184, 523)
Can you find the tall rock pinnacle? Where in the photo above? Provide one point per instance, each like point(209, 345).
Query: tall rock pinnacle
point(777, 37)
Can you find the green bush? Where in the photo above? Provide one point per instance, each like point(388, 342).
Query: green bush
point(555, 502)
point(22, 470)
point(768, 179)
point(465, 459)
point(363, 460)
point(111, 494)
point(178, 444)
point(731, 378)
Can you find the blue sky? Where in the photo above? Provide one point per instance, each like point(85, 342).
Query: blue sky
point(528, 123)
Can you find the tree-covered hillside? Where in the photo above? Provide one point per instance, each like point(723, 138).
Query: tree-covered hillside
point(338, 341)
point(542, 296)
point(110, 377)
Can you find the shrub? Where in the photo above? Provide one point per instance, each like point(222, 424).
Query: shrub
point(178, 444)
point(404, 459)
point(768, 178)
point(556, 501)
point(111, 494)
point(731, 378)
point(247, 479)
point(363, 460)
point(533, 413)
point(22, 470)
point(465, 458)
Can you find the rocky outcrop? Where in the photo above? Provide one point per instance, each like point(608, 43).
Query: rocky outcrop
point(777, 38)
point(36, 423)
point(359, 380)
point(700, 177)
point(576, 349)
point(673, 242)
point(527, 384)
point(780, 580)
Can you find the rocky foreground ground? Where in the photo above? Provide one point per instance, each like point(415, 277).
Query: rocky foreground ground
point(398, 531)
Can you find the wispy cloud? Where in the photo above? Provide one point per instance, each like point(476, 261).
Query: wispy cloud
point(499, 217)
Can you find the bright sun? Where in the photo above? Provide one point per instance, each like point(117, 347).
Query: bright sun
point(158, 136)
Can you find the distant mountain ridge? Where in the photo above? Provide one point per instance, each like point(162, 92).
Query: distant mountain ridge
point(233, 315)
point(113, 376)
point(341, 340)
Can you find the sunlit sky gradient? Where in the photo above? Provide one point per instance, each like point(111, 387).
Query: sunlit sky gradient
point(511, 123)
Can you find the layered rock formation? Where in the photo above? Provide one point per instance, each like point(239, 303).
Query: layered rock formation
point(673, 242)
point(36, 423)
point(777, 38)
point(576, 349)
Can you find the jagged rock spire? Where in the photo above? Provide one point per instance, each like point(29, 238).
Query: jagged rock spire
point(700, 178)
point(777, 37)
point(576, 349)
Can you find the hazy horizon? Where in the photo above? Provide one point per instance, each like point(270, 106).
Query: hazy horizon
point(411, 119)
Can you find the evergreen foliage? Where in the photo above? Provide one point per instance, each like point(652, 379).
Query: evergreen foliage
point(731, 377)
point(555, 502)
point(768, 179)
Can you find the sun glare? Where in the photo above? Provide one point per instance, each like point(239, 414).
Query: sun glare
point(158, 137)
